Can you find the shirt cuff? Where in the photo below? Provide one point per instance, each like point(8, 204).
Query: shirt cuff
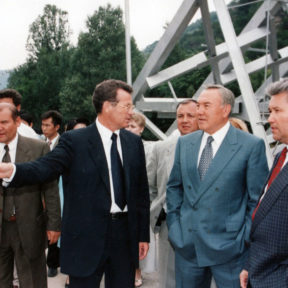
point(6, 181)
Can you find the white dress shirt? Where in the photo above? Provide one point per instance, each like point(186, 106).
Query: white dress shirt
point(105, 135)
point(218, 137)
point(52, 142)
point(12, 149)
point(27, 131)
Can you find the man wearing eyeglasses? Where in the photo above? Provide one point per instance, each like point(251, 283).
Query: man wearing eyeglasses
point(105, 225)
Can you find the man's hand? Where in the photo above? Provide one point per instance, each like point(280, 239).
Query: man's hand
point(6, 170)
point(243, 278)
point(143, 250)
point(53, 236)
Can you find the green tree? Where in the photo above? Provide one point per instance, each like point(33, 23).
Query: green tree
point(100, 55)
point(41, 78)
point(49, 32)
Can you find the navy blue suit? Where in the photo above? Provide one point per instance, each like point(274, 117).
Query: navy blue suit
point(80, 158)
point(268, 253)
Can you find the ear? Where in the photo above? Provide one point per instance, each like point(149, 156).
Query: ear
point(227, 110)
point(18, 121)
point(57, 127)
point(106, 106)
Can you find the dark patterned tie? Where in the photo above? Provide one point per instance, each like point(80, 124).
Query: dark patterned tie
point(117, 174)
point(9, 208)
point(206, 158)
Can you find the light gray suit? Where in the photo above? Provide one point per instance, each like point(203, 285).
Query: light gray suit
point(159, 165)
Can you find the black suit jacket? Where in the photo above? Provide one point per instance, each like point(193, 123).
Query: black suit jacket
point(81, 159)
point(268, 252)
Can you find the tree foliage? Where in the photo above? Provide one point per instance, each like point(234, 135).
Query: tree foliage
point(49, 32)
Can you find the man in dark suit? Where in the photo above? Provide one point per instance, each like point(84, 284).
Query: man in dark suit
point(50, 124)
point(22, 217)
point(105, 224)
point(267, 265)
point(212, 191)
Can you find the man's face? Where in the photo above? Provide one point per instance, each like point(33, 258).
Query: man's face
point(211, 113)
point(8, 127)
point(49, 130)
point(118, 114)
point(278, 119)
point(186, 116)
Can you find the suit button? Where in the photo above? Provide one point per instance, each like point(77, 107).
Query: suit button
point(189, 230)
point(189, 187)
point(194, 208)
point(216, 189)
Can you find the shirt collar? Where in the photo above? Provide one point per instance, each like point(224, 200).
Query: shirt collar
point(12, 145)
point(220, 134)
point(104, 131)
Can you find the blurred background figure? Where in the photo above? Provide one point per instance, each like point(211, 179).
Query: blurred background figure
point(76, 123)
point(238, 123)
point(149, 264)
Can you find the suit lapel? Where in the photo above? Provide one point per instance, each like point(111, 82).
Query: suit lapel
point(224, 155)
point(96, 150)
point(192, 160)
point(272, 194)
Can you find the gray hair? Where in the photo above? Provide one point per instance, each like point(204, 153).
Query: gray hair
point(277, 87)
point(227, 95)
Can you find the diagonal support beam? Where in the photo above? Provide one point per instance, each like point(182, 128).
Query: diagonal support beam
point(241, 73)
point(165, 45)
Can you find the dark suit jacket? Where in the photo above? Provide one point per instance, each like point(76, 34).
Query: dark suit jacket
point(81, 159)
point(268, 253)
point(32, 220)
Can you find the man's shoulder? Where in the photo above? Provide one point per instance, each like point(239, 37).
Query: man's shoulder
point(245, 137)
point(31, 142)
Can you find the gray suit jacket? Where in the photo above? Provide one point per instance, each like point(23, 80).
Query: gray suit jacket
point(211, 219)
point(32, 219)
point(159, 165)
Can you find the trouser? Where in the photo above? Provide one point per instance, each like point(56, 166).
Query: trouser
point(31, 273)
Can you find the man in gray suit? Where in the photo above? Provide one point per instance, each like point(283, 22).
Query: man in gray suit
point(212, 191)
point(24, 224)
point(159, 166)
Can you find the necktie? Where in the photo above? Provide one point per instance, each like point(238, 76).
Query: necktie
point(117, 174)
point(206, 158)
point(9, 208)
point(6, 158)
point(274, 174)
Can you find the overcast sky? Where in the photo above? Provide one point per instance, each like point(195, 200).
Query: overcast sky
point(147, 18)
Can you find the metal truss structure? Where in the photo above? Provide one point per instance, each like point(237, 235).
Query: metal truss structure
point(226, 61)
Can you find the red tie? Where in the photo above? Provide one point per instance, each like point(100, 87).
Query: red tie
point(274, 174)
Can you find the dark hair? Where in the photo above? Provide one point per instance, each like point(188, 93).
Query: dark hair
point(107, 91)
point(12, 108)
point(55, 115)
point(13, 94)
point(26, 116)
point(73, 122)
point(184, 102)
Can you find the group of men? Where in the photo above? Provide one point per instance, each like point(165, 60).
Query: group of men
point(221, 220)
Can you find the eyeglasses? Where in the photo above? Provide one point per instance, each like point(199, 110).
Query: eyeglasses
point(127, 107)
